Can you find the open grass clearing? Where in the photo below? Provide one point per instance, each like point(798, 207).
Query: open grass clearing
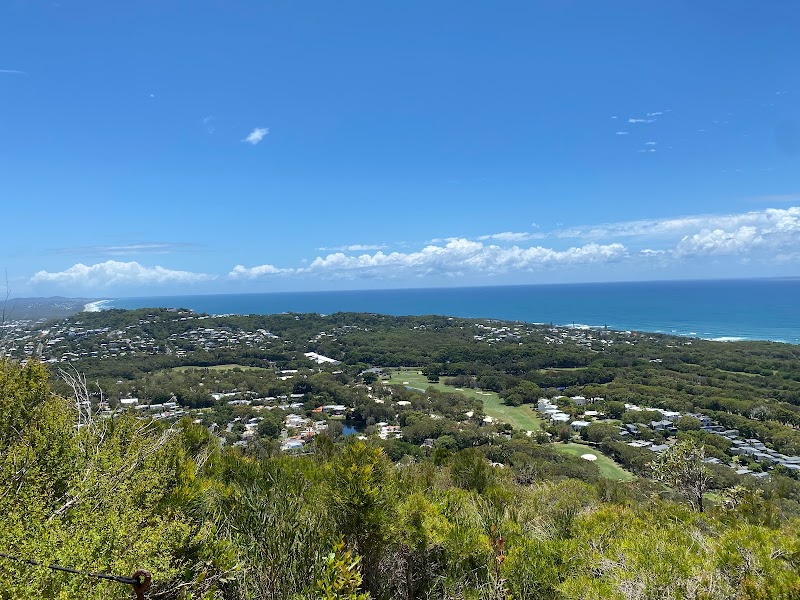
point(608, 468)
point(520, 417)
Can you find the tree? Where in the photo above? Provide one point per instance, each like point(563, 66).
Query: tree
point(270, 425)
point(340, 578)
point(597, 432)
point(615, 409)
point(682, 468)
point(118, 488)
point(363, 502)
point(565, 433)
point(687, 423)
point(471, 471)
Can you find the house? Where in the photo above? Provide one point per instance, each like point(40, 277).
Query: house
point(705, 420)
point(292, 444)
point(319, 359)
point(386, 431)
point(664, 426)
point(640, 444)
point(766, 458)
point(670, 415)
point(578, 425)
point(713, 428)
point(295, 421)
point(128, 402)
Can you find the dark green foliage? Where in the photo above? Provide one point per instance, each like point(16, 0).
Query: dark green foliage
point(270, 426)
point(471, 470)
point(600, 432)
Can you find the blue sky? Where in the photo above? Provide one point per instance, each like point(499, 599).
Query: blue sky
point(154, 148)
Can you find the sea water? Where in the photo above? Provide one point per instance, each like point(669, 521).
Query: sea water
point(736, 309)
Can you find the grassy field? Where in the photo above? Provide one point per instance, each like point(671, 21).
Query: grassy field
point(519, 417)
point(608, 468)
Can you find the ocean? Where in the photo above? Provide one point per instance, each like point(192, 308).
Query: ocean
point(728, 310)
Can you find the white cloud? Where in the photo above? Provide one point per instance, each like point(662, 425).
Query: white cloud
point(365, 247)
point(651, 143)
point(632, 120)
point(114, 273)
point(655, 114)
point(772, 230)
point(771, 235)
point(255, 136)
point(12, 72)
point(622, 133)
point(460, 256)
point(457, 257)
point(719, 241)
point(242, 272)
point(681, 226)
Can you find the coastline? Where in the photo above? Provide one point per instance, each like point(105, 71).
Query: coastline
point(725, 311)
point(96, 306)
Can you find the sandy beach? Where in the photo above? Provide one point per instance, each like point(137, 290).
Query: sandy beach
point(96, 306)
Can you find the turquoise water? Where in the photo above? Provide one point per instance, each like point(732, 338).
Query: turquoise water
point(759, 309)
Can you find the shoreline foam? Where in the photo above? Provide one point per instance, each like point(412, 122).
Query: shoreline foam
point(95, 306)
